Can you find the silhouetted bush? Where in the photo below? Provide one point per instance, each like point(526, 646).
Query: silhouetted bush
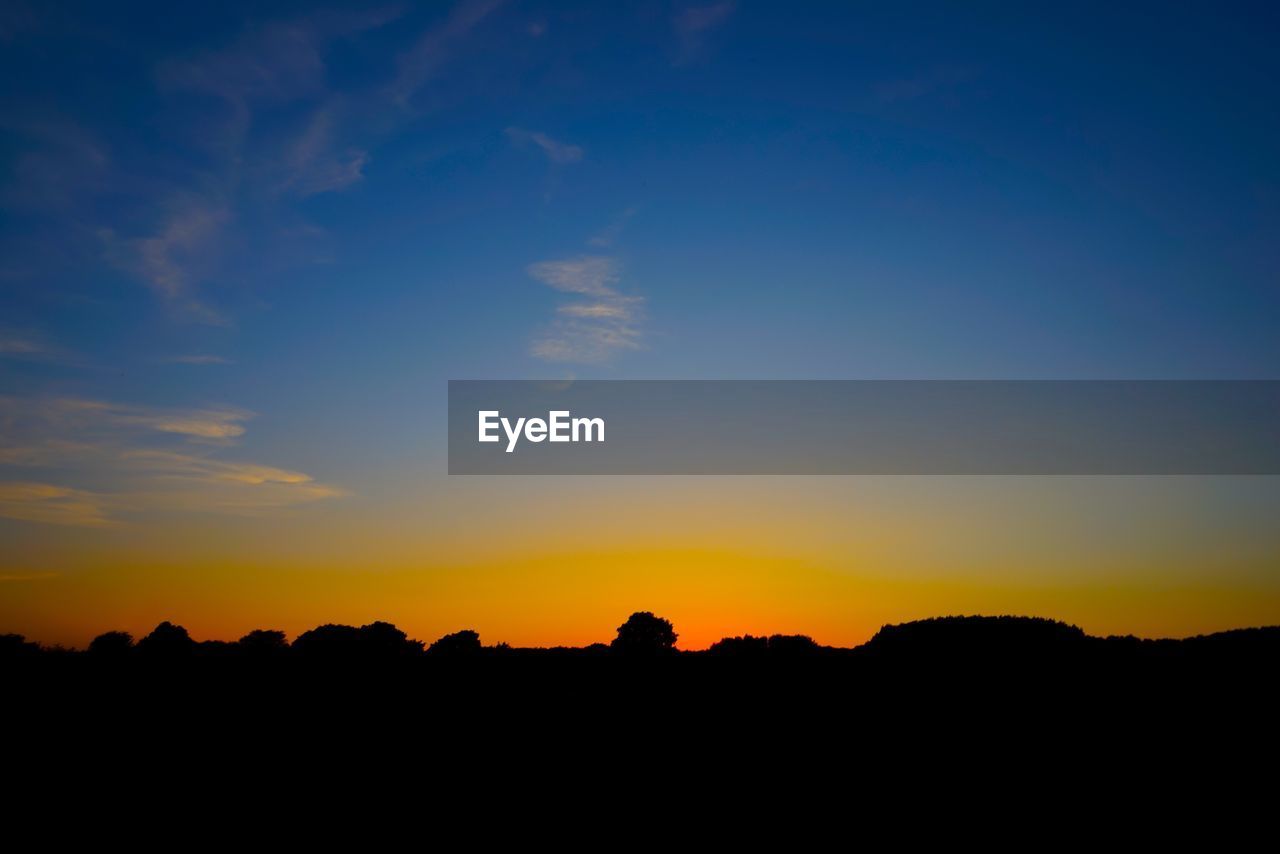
point(645, 634)
point(744, 646)
point(167, 641)
point(463, 643)
point(797, 645)
point(1003, 645)
point(385, 640)
point(328, 641)
point(16, 648)
point(748, 646)
point(375, 641)
point(112, 644)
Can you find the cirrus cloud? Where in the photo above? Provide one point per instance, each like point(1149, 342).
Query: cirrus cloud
point(557, 152)
point(107, 462)
point(58, 505)
point(593, 331)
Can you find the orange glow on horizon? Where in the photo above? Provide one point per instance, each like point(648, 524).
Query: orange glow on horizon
point(578, 599)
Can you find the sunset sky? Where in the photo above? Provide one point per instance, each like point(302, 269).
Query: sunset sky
point(244, 249)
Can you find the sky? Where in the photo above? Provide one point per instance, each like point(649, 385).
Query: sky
point(244, 247)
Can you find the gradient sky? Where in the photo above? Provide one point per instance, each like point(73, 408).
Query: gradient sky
point(244, 249)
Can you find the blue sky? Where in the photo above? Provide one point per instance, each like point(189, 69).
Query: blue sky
point(271, 234)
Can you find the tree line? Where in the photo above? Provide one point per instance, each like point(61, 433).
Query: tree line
point(941, 640)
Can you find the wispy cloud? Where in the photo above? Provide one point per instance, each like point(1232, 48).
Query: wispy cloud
point(276, 61)
point(202, 425)
point(64, 164)
point(436, 47)
point(587, 274)
point(32, 347)
point(43, 502)
point(592, 331)
point(270, 66)
point(169, 260)
point(313, 165)
point(181, 481)
point(557, 152)
point(693, 23)
point(608, 235)
point(241, 130)
point(115, 461)
point(56, 416)
point(13, 345)
point(172, 463)
point(618, 309)
point(586, 343)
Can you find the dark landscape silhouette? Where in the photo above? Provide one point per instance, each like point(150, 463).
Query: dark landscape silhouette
point(981, 642)
point(931, 685)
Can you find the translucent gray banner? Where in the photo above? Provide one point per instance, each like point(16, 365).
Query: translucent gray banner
point(871, 427)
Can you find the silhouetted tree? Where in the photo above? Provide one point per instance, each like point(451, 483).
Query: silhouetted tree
point(328, 641)
point(747, 645)
point(167, 640)
point(263, 642)
point(645, 634)
point(384, 640)
point(793, 645)
point(463, 643)
point(16, 647)
point(978, 639)
point(376, 641)
point(774, 645)
point(112, 644)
